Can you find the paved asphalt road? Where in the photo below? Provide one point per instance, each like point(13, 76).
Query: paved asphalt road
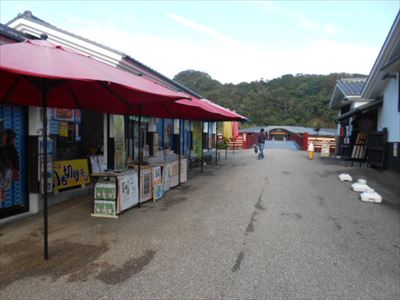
point(280, 145)
point(282, 227)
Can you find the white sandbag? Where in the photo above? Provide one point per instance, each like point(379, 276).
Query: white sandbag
point(360, 186)
point(345, 177)
point(371, 196)
point(362, 181)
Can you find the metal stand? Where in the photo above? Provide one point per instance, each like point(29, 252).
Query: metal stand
point(140, 146)
point(216, 145)
point(180, 154)
point(45, 211)
point(201, 152)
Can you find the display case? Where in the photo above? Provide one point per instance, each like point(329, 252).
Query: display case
point(114, 192)
point(105, 195)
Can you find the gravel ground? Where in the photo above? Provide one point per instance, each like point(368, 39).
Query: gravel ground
point(282, 227)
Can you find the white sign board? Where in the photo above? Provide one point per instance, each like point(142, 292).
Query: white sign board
point(325, 150)
point(128, 194)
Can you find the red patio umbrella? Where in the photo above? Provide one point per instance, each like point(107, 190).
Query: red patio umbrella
point(40, 73)
point(194, 109)
point(223, 110)
point(72, 80)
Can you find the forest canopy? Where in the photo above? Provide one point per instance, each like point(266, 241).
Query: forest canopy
point(299, 99)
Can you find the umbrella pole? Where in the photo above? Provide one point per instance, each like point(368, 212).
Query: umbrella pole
point(201, 146)
point(45, 212)
point(216, 145)
point(180, 154)
point(190, 140)
point(139, 148)
point(108, 148)
point(127, 126)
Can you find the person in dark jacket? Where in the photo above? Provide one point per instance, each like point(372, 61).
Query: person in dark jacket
point(9, 161)
point(261, 142)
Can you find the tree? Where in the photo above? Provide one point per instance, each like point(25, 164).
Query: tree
point(300, 100)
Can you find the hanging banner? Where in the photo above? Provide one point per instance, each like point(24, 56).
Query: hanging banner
point(197, 138)
point(119, 143)
point(205, 127)
point(63, 129)
point(176, 126)
point(70, 173)
point(168, 131)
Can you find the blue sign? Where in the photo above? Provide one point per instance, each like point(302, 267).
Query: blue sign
point(12, 157)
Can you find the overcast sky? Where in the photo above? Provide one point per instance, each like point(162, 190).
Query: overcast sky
point(233, 41)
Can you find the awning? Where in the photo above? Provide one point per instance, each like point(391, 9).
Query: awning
point(361, 109)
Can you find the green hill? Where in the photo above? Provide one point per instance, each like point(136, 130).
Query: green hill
point(299, 99)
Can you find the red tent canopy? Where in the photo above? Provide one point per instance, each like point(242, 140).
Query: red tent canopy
point(234, 116)
point(73, 80)
point(194, 109)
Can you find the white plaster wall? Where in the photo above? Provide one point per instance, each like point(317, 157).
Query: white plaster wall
point(388, 115)
point(72, 42)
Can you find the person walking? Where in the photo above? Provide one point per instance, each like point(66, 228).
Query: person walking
point(261, 142)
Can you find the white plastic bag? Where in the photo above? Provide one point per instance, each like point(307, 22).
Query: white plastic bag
point(360, 186)
point(371, 196)
point(345, 177)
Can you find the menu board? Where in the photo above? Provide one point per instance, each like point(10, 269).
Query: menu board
point(325, 150)
point(174, 174)
point(157, 183)
point(128, 194)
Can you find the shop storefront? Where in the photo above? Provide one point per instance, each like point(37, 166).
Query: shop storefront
point(76, 136)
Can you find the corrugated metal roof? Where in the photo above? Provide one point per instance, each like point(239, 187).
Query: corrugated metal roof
point(351, 86)
point(346, 88)
point(292, 129)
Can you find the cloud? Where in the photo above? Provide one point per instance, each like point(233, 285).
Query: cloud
point(219, 37)
point(268, 6)
point(170, 55)
point(297, 18)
